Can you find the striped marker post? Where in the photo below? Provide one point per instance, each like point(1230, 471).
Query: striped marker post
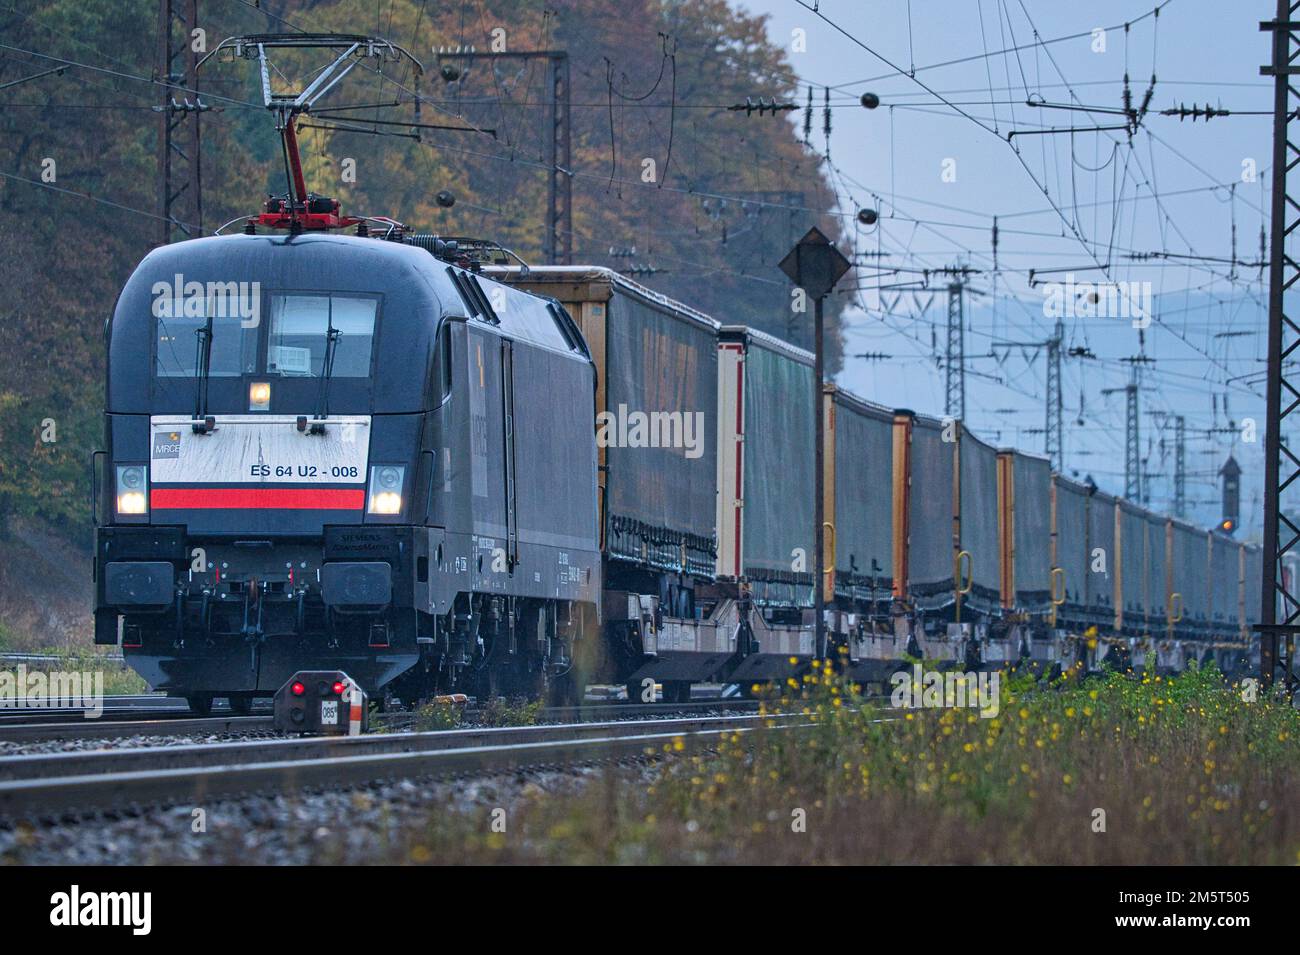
point(354, 714)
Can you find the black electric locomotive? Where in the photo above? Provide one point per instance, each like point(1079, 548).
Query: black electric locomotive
point(343, 452)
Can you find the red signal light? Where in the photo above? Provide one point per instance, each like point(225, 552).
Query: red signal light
point(298, 689)
point(340, 687)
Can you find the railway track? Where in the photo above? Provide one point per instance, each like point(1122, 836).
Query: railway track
point(56, 786)
point(35, 725)
point(141, 706)
point(178, 725)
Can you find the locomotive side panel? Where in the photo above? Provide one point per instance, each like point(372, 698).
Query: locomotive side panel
point(530, 470)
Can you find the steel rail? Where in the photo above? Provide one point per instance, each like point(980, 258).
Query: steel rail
point(243, 752)
point(324, 763)
point(119, 729)
point(36, 725)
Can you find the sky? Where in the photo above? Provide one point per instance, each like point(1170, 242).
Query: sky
point(935, 161)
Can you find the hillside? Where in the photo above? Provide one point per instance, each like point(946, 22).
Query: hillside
point(653, 150)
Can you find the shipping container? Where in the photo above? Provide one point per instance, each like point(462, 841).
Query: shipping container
point(930, 507)
point(1225, 580)
point(978, 522)
point(1102, 561)
point(859, 474)
point(772, 384)
point(1026, 531)
point(1254, 584)
point(1157, 572)
point(1133, 597)
point(1070, 542)
point(1189, 558)
point(655, 413)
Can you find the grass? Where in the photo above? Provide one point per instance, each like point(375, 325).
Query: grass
point(498, 711)
point(1116, 770)
point(118, 678)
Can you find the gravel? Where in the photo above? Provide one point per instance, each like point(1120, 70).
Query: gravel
point(73, 745)
point(361, 825)
point(365, 825)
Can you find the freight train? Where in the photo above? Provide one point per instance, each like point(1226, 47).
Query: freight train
point(392, 456)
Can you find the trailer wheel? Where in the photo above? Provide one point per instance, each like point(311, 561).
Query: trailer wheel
point(200, 703)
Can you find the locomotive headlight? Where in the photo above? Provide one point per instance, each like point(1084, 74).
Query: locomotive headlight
point(132, 489)
point(386, 489)
point(259, 396)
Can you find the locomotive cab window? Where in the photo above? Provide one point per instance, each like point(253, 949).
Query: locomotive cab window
point(300, 328)
point(233, 346)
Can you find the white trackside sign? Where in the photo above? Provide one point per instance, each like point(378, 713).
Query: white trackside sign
point(259, 449)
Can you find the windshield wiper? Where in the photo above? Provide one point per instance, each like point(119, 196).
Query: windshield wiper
point(332, 335)
point(202, 423)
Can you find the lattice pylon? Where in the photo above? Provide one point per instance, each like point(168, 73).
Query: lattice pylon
point(1280, 611)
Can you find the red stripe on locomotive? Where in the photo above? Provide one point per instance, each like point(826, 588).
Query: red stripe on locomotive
point(254, 498)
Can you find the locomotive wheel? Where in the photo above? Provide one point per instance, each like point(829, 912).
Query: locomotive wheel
point(241, 704)
point(200, 703)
